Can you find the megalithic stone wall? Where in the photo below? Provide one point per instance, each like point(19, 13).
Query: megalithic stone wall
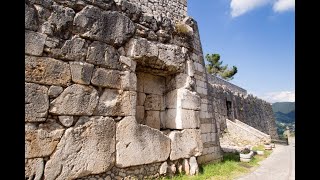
point(117, 89)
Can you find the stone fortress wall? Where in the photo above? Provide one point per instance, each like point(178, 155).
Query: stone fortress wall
point(230, 86)
point(113, 91)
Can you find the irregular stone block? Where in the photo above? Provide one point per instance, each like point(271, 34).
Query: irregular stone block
point(34, 43)
point(75, 100)
point(33, 168)
point(153, 119)
point(116, 103)
point(132, 138)
point(182, 119)
point(185, 144)
point(103, 55)
point(30, 18)
point(55, 91)
point(41, 143)
point(60, 21)
point(74, 49)
point(153, 102)
point(183, 98)
point(81, 72)
point(186, 166)
point(87, 149)
point(139, 48)
point(128, 81)
point(106, 78)
point(163, 168)
point(67, 121)
point(194, 168)
point(110, 27)
point(47, 71)
point(128, 63)
point(36, 102)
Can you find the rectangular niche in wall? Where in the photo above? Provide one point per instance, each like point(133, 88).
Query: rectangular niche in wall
point(150, 99)
point(229, 110)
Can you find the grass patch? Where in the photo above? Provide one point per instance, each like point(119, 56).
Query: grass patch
point(258, 148)
point(229, 168)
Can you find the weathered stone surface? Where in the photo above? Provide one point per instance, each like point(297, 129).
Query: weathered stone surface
point(30, 18)
point(75, 100)
point(74, 49)
point(33, 168)
point(182, 119)
point(47, 71)
point(150, 84)
point(36, 102)
point(186, 166)
point(132, 138)
point(55, 91)
point(141, 98)
point(60, 21)
point(81, 72)
point(163, 168)
point(128, 81)
point(103, 55)
point(140, 114)
point(50, 125)
point(67, 121)
point(106, 78)
point(40, 142)
point(183, 98)
point(185, 144)
point(87, 149)
point(34, 43)
point(153, 119)
point(194, 168)
point(128, 63)
point(153, 102)
point(139, 48)
point(116, 103)
point(110, 27)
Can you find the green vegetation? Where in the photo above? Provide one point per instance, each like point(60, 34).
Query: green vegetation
point(258, 148)
point(216, 68)
point(229, 168)
point(285, 116)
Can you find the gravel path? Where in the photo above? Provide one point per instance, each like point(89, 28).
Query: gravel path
point(280, 165)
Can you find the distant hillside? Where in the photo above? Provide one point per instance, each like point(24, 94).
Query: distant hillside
point(285, 115)
point(284, 107)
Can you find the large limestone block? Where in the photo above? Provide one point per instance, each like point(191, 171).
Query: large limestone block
point(81, 72)
point(183, 98)
point(153, 102)
point(153, 119)
point(33, 168)
point(141, 47)
point(150, 84)
point(116, 103)
point(36, 102)
point(194, 168)
point(74, 49)
point(185, 144)
point(128, 81)
point(110, 27)
point(86, 149)
point(75, 100)
point(34, 43)
point(103, 55)
point(47, 71)
point(30, 18)
point(182, 119)
point(40, 142)
point(139, 144)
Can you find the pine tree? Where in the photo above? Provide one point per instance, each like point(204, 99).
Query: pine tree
point(216, 68)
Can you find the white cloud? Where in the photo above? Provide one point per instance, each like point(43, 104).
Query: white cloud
point(282, 96)
point(284, 5)
point(239, 7)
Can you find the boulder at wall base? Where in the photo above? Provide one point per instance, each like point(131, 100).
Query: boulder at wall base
point(86, 149)
point(139, 144)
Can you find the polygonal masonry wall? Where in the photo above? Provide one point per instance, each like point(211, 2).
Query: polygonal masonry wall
point(114, 89)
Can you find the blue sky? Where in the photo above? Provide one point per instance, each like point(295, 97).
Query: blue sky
point(257, 36)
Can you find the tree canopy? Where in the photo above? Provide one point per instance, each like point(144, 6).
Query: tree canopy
point(216, 68)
